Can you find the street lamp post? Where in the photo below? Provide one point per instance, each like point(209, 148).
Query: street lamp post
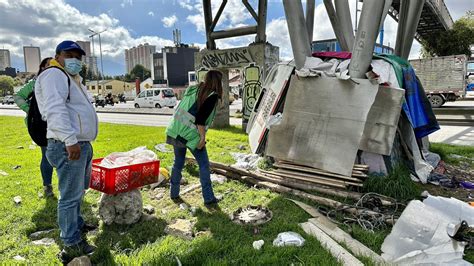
point(100, 51)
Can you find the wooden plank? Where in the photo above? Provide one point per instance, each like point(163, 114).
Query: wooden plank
point(358, 167)
point(307, 185)
point(315, 171)
point(337, 251)
point(311, 177)
point(321, 181)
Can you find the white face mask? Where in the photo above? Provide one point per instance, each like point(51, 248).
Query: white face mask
point(72, 65)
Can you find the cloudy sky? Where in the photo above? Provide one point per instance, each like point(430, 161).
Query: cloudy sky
point(45, 23)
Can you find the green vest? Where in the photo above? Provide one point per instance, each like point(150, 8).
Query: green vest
point(183, 122)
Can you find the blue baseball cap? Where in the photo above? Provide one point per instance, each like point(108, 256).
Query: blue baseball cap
point(69, 45)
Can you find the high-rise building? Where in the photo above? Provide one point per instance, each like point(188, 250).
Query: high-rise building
point(89, 59)
point(142, 54)
point(32, 57)
point(5, 60)
point(86, 46)
point(172, 65)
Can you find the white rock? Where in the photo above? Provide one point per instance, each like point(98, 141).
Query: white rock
point(183, 206)
point(80, 261)
point(17, 199)
point(19, 258)
point(44, 242)
point(258, 244)
point(180, 228)
point(122, 208)
point(3, 173)
point(40, 234)
point(149, 209)
point(218, 178)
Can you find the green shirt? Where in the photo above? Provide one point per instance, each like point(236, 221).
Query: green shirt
point(22, 96)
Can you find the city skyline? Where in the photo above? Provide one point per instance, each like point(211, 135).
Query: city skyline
point(130, 23)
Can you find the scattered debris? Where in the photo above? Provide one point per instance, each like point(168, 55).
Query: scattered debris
point(220, 179)
point(32, 147)
point(329, 244)
point(149, 209)
point(203, 233)
point(164, 211)
point(420, 234)
point(162, 147)
point(16, 167)
point(288, 239)
point(20, 147)
point(193, 211)
point(41, 234)
point(183, 206)
point(183, 181)
point(245, 161)
point(17, 200)
point(146, 217)
point(44, 242)
point(3, 173)
point(258, 244)
point(94, 232)
point(180, 228)
point(241, 147)
point(190, 188)
point(122, 208)
point(19, 258)
point(80, 261)
point(331, 229)
point(253, 215)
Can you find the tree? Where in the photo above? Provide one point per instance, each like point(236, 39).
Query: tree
point(454, 41)
point(83, 74)
point(139, 71)
point(6, 85)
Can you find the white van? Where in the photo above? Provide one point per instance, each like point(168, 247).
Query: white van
point(155, 97)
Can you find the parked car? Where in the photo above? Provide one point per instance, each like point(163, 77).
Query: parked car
point(8, 100)
point(156, 97)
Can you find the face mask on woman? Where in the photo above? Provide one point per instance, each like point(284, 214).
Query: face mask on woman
point(73, 65)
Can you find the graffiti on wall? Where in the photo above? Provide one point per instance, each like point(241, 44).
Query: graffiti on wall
point(226, 58)
point(252, 88)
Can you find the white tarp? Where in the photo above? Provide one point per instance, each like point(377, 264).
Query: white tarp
point(420, 234)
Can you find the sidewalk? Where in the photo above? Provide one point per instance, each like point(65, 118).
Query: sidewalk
point(456, 135)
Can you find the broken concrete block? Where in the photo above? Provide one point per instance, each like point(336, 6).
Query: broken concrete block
point(41, 234)
point(149, 209)
point(44, 242)
point(180, 228)
point(80, 261)
point(122, 208)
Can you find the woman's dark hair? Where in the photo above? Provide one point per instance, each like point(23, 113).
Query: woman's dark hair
point(43, 64)
point(212, 83)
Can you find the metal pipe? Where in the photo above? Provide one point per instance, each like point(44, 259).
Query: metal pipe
point(250, 9)
point(206, 4)
point(413, 18)
point(262, 21)
point(297, 29)
point(366, 36)
point(233, 32)
point(310, 5)
point(343, 14)
point(402, 20)
point(218, 15)
point(335, 24)
point(386, 8)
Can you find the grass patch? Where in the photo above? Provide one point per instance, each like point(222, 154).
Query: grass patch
point(445, 150)
point(145, 242)
point(397, 184)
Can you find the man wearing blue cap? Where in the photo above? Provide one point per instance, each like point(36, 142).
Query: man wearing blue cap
point(71, 125)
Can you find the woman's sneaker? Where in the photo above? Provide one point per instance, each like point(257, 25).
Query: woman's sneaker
point(48, 191)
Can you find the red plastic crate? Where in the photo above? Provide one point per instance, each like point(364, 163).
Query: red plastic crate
point(123, 178)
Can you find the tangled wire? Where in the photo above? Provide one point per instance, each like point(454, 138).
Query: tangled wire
point(372, 212)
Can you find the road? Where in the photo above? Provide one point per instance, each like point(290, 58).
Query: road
point(459, 135)
point(119, 118)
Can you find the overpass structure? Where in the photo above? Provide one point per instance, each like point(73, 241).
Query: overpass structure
point(435, 18)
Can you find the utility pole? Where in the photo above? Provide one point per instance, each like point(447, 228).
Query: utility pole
point(100, 50)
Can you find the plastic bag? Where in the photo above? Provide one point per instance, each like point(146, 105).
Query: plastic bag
point(135, 156)
point(288, 239)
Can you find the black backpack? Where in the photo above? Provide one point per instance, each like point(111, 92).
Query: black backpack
point(37, 128)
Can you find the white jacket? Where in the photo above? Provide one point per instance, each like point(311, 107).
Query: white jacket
point(71, 121)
